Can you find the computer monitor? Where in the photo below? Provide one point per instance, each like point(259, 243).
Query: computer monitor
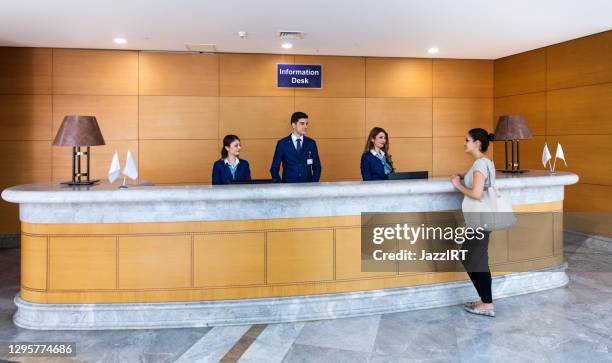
point(409, 175)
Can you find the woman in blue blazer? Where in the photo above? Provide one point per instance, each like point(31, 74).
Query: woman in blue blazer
point(376, 161)
point(229, 168)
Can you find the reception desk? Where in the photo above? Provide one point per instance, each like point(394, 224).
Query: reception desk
point(174, 256)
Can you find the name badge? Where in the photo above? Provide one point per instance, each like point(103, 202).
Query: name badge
point(309, 162)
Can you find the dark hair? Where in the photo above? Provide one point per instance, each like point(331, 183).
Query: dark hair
point(369, 145)
point(297, 116)
point(227, 140)
point(483, 136)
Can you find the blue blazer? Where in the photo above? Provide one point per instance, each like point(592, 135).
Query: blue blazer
point(221, 173)
point(372, 168)
point(295, 167)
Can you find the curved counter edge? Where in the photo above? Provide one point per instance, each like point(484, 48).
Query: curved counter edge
point(105, 193)
point(274, 310)
point(46, 203)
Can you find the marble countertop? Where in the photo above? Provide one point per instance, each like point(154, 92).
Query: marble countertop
point(107, 193)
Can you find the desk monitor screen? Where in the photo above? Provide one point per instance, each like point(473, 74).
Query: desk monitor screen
point(253, 181)
point(409, 175)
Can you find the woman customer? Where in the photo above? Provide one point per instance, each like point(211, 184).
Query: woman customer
point(476, 179)
point(230, 168)
point(376, 162)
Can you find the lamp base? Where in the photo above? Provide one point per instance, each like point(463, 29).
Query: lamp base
point(516, 171)
point(83, 182)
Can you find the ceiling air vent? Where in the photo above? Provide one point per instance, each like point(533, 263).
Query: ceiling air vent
point(202, 48)
point(289, 35)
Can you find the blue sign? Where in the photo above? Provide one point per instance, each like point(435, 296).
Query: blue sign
point(299, 75)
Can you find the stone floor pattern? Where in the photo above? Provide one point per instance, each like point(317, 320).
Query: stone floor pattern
point(572, 324)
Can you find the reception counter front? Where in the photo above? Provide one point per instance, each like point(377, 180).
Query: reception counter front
point(176, 256)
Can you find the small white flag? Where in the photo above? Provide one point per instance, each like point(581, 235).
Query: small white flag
point(545, 155)
point(115, 169)
point(130, 170)
point(559, 154)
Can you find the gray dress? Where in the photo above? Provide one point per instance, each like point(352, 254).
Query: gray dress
point(481, 166)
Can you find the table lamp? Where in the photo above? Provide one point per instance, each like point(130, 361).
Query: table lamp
point(78, 131)
point(512, 128)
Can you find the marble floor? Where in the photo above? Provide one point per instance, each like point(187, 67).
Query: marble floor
point(572, 324)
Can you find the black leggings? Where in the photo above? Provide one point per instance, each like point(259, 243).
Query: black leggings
point(477, 265)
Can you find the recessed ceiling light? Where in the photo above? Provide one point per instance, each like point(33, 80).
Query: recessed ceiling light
point(433, 50)
point(243, 34)
point(287, 45)
point(120, 40)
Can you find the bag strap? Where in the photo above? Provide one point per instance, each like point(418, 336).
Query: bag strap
point(492, 179)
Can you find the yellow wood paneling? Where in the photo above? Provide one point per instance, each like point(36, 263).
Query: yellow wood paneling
point(520, 73)
point(498, 247)
point(400, 117)
point(178, 74)
point(398, 77)
point(252, 75)
point(531, 227)
point(580, 110)
point(580, 62)
point(342, 76)
point(82, 263)
point(538, 207)
point(259, 154)
point(300, 256)
point(530, 153)
point(95, 72)
point(155, 261)
point(456, 116)
point(178, 161)
point(117, 116)
point(101, 157)
point(178, 117)
point(586, 155)
point(34, 262)
point(25, 117)
point(229, 259)
point(412, 154)
point(531, 105)
point(462, 78)
point(348, 256)
point(25, 70)
point(333, 117)
point(449, 157)
point(256, 117)
point(340, 158)
point(25, 162)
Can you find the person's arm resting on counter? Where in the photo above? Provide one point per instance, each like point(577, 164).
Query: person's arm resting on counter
point(476, 191)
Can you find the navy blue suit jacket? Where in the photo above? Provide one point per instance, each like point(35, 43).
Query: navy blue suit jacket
point(372, 168)
point(221, 173)
point(295, 167)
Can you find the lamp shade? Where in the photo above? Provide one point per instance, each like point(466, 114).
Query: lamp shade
point(512, 127)
point(79, 131)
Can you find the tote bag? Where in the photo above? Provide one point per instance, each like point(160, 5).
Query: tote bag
point(491, 212)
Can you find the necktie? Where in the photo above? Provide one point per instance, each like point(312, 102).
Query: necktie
point(299, 145)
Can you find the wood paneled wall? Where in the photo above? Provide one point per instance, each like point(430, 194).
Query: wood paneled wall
point(173, 109)
point(565, 91)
